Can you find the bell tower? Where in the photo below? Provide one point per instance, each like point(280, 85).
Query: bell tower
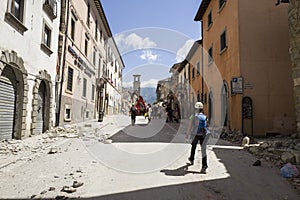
point(137, 84)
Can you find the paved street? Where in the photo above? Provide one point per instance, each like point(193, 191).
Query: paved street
point(115, 160)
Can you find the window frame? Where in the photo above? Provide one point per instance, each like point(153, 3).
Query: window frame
point(222, 40)
point(84, 87)
point(209, 20)
point(50, 8)
point(198, 68)
point(193, 73)
point(70, 81)
point(210, 54)
point(93, 92)
point(88, 15)
point(12, 19)
point(68, 116)
point(46, 45)
point(86, 44)
point(222, 4)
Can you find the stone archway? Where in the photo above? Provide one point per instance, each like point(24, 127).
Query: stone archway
point(12, 60)
point(43, 80)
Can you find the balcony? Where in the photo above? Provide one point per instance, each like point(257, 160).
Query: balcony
point(50, 7)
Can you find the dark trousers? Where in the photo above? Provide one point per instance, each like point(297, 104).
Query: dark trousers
point(132, 120)
point(203, 142)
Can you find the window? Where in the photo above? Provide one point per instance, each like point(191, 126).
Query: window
point(86, 45)
point(50, 7)
point(67, 113)
point(221, 3)
point(15, 15)
point(96, 30)
point(223, 42)
point(17, 9)
point(198, 68)
point(70, 79)
point(210, 55)
point(88, 15)
point(101, 35)
point(84, 88)
point(193, 73)
point(46, 39)
point(93, 92)
point(209, 19)
point(73, 29)
point(47, 36)
point(198, 96)
point(94, 57)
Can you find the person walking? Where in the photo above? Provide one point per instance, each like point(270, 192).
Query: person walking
point(133, 113)
point(197, 132)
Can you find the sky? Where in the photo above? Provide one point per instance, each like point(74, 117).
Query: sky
point(152, 35)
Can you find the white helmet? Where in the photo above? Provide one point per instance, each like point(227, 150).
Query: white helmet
point(198, 105)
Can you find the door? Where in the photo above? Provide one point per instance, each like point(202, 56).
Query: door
point(39, 128)
point(7, 108)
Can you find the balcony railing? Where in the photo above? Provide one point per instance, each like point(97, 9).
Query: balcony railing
point(50, 7)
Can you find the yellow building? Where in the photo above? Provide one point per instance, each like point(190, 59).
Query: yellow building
point(247, 66)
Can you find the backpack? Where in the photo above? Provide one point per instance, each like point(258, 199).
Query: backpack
point(199, 124)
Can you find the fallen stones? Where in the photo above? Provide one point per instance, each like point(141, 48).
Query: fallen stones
point(52, 150)
point(77, 184)
point(68, 189)
point(288, 157)
point(257, 163)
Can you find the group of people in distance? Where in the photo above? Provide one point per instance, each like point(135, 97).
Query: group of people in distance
point(197, 131)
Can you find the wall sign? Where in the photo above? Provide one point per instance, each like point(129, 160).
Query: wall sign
point(237, 85)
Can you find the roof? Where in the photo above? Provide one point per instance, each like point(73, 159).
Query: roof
point(102, 15)
point(203, 6)
point(107, 28)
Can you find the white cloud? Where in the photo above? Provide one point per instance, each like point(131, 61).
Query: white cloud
point(133, 42)
point(149, 83)
point(148, 55)
point(184, 50)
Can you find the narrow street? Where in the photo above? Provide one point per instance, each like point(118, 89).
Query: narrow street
point(136, 162)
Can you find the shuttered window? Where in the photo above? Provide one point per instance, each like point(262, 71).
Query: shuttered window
point(84, 88)
point(70, 79)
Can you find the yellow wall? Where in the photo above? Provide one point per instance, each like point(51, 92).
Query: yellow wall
point(258, 42)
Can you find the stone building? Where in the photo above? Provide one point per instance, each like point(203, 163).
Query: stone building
point(246, 43)
point(28, 46)
point(90, 69)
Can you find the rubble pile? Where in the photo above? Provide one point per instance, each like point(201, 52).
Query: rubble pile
point(277, 150)
point(38, 142)
point(235, 136)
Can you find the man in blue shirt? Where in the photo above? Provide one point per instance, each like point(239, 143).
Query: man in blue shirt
point(197, 129)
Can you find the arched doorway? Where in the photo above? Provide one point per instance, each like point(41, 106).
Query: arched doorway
point(40, 117)
point(224, 105)
point(247, 116)
point(41, 104)
point(7, 103)
point(14, 86)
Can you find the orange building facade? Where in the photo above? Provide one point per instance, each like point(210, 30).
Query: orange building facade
point(246, 66)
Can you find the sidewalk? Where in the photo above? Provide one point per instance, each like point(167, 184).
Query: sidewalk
point(15, 152)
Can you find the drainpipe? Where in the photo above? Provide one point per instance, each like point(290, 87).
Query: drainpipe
point(62, 61)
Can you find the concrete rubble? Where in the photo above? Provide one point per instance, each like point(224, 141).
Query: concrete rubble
point(278, 150)
point(39, 143)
